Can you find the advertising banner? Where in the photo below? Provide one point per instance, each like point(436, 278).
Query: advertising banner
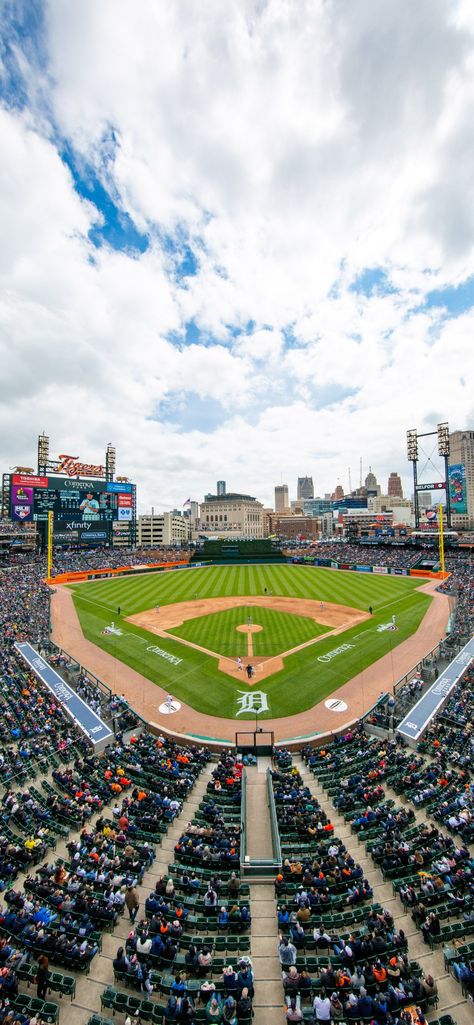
point(457, 488)
point(364, 569)
point(125, 514)
point(379, 569)
point(96, 731)
point(117, 487)
point(93, 535)
point(124, 501)
point(29, 480)
point(419, 717)
point(22, 503)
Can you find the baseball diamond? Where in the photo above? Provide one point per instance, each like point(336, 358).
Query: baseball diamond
point(316, 637)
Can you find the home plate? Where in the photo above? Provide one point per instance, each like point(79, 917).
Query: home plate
point(336, 705)
point(168, 709)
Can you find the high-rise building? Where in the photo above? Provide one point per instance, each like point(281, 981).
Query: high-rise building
point(282, 500)
point(461, 478)
point(232, 515)
point(305, 488)
point(338, 493)
point(394, 488)
point(371, 486)
point(220, 488)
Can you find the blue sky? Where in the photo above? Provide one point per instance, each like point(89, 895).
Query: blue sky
point(214, 232)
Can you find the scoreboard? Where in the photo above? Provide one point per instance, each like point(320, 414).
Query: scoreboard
point(85, 512)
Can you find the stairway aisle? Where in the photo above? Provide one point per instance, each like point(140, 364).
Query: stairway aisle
point(264, 935)
point(90, 987)
point(450, 996)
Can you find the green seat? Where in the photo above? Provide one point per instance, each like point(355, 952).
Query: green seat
point(36, 1006)
point(68, 986)
point(107, 997)
point(22, 1002)
point(50, 1012)
point(120, 1003)
point(166, 984)
point(146, 1010)
point(132, 1005)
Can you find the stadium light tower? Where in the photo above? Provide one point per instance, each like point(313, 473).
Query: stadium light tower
point(412, 456)
point(43, 453)
point(110, 462)
point(442, 433)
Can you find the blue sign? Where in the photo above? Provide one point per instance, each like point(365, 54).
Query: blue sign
point(420, 716)
point(93, 535)
point(91, 725)
point(117, 486)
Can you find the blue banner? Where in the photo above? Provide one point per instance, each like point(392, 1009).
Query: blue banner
point(419, 717)
point(117, 486)
point(91, 725)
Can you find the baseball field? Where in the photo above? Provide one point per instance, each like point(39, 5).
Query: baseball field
point(304, 630)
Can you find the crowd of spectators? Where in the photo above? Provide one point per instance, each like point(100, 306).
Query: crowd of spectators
point(460, 586)
point(353, 553)
point(74, 560)
point(352, 966)
point(215, 840)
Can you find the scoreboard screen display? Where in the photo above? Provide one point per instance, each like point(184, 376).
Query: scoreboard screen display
point(83, 511)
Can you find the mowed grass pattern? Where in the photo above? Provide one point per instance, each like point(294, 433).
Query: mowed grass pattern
point(302, 682)
point(135, 594)
point(280, 631)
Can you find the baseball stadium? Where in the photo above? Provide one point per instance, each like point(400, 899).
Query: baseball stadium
point(236, 781)
point(237, 728)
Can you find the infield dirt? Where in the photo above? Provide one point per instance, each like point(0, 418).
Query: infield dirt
point(336, 617)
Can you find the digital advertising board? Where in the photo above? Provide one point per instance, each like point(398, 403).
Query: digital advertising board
point(457, 488)
point(84, 511)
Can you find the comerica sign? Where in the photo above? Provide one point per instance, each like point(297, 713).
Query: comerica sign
point(70, 466)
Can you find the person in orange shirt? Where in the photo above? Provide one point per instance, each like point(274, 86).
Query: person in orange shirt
point(380, 973)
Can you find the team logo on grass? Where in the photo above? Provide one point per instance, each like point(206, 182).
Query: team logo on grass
point(254, 701)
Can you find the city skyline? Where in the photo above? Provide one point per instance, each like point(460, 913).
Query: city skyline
point(235, 239)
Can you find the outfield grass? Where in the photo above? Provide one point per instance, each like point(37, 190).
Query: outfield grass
point(302, 682)
point(280, 631)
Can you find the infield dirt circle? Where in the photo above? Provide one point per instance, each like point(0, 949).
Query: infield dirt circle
point(359, 694)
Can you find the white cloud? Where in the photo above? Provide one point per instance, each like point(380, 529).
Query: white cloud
point(291, 145)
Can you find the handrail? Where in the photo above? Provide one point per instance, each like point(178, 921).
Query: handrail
point(273, 820)
point(243, 818)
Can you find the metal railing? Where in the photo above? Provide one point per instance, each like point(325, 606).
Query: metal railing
point(273, 820)
point(243, 819)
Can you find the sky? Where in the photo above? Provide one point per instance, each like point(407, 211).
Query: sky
point(237, 237)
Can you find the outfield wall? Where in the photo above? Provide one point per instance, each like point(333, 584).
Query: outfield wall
point(362, 568)
point(116, 571)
